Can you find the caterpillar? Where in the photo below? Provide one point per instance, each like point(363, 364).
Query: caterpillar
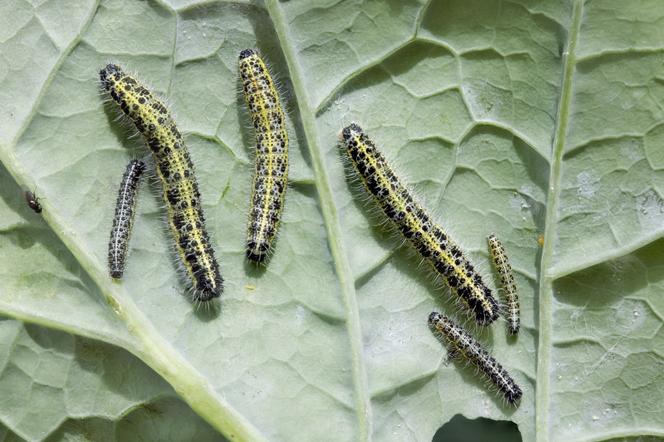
point(461, 343)
point(33, 201)
point(124, 218)
point(271, 160)
point(502, 264)
point(176, 175)
point(415, 224)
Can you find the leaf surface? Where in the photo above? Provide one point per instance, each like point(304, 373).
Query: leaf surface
point(538, 121)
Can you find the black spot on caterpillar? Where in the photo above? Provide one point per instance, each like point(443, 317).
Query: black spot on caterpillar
point(176, 174)
point(415, 224)
point(271, 162)
point(502, 264)
point(461, 343)
point(32, 201)
point(124, 218)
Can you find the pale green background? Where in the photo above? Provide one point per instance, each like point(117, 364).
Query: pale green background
point(523, 118)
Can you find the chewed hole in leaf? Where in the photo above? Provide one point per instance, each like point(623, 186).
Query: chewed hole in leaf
point(462, 429)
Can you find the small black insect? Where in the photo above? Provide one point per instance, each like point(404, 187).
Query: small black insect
point(33, 201)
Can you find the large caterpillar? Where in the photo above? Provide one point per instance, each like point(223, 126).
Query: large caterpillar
point(124, 218)
point(271, 163)
point(176, 174)
point(502, 264)
point(416, 225)
point(460, 343)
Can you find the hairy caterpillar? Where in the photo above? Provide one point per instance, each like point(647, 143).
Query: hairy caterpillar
point(416, 225)
point(124, 218)
point(33, 201)
point(502, 264)
point(176, 174)
point(461, 343)
point(271, 167)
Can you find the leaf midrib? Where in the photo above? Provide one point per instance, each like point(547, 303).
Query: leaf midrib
point(333, 226)
point(544, 345)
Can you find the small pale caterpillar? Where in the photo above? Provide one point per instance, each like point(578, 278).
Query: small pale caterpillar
point(124, 218)
point(502, 264)
point(461, 343)
point(32, 201)
point(271, 169)
point(176, 174)
point(416, 225)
